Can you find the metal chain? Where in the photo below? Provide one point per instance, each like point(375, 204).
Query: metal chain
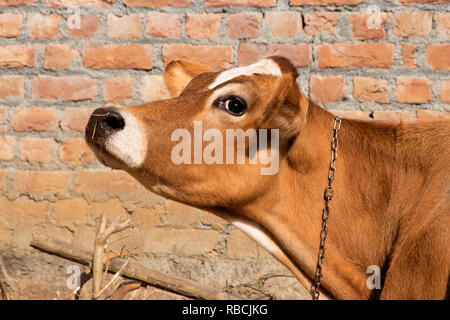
point(328, 194)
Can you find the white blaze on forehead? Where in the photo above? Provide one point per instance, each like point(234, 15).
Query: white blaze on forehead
point(128, 144)
point(265, 66)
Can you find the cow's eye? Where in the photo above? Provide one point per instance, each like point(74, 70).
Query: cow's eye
point(233, 105)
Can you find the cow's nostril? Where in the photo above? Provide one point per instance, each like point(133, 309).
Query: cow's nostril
point(103, 123)
point(108, 119)
point(115, 121)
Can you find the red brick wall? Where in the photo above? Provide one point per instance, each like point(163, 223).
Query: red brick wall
point(52, 76)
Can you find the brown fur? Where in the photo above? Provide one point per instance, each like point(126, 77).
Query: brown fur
point(392, 188)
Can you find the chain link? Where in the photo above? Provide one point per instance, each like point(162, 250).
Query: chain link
point(328, 195)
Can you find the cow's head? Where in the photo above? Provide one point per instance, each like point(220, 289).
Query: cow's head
point(153, 141)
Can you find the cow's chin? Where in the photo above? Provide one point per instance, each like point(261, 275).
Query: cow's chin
point(105, 158)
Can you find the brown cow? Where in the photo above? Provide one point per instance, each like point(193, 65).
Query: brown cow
point(391, 206)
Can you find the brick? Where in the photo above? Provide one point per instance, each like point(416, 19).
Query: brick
point(16, 3)
point(75, 151)
point(119, 56)
point(368, 25)
point(59, 56)
point(325, 2)
point(3, 177)
point(422, 1)
point(146, 218)
point(445, 91)
point(203, 25)
point(240, 3)
point(11, 25)
point(7, 148)
point(89, 25)
point(284, 24)
point(370, 89)
point(320, 21)
point(177, 214)
point(35, 119)
point(345, 55)
point(154, 88)
point(213, 56)
point(438, 57)
point(90, 181)
point(210, 220)
point(327, 88)
point(393, 117)
point(163, 25)
point(17, 56)
point(128, 26)
point(244, 25)
point(180, 241)
point(300, 54)
point(76, 119)
point(6, 234)
point(42, 182)
point(43, 26)
point(240, 246)
point(113, 208)
point(11, 86)
point(352, 114)
point(71, 88)
point(414, 90)
point(412, 24)
point(84, 236)
point(36, 149)
point(428, 115)
point(3, 119)
point(119, 89)
point(443, 25)
point(70, 211)
point(23, 211)
point(157, 3)
point(408, 54)
point(79, 3)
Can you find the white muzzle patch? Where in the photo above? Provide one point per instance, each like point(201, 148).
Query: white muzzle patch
point(129, 144)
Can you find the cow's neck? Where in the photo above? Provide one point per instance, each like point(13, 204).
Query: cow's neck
point(292, 210)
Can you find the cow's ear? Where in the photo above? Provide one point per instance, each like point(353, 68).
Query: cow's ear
point(287, 106)
point(179, 73)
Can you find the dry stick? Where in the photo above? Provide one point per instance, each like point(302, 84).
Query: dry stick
point(73, 294)
point(97, 259)
point(150, 292)
point(4, 283)
point(113, 255)
point(134, 270)
point(114, 278)
point(3, 292)
point(133, 294)
point(101, 238)
point(122, 291)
